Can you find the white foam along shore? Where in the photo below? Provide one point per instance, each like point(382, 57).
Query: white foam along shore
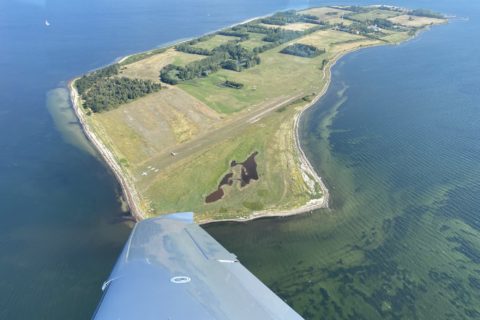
point(129, 192)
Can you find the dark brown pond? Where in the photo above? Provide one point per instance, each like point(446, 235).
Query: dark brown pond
point(248, 172)
point(249, 169)
point(218, 194)
point(214, 196)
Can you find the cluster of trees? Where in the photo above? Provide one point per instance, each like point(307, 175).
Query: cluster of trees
point(200, 39)
point(361, 28)
point(383, 23)
point(184, 47)
point(235, 33)
point(188, 47)
point(237, 58)
point(233, 84)
point(89, 80)
point(302, 50)
point(286, 17)
point(277, 37)
point(108, 93)
point(254, 28)
point(273, 36)
point(391, 8)
point(230, 56)
point(426, 13)
point(282, 35)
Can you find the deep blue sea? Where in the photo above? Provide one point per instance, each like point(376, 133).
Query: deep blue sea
point(396, 139)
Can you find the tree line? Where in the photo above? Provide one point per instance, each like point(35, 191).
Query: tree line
point(383, 23)
point(109, 93)
point(89, 80)
point(102, 91)
point(302, 50)
point(426, 13)
point(279, 36)
point(290, 16)
point(232, 33)
point(184, 47)
point(230, 56)
point(233, 84)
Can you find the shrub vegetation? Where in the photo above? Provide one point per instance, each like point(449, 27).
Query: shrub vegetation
point(302, 50)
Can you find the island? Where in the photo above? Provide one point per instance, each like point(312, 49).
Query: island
point(210, 125)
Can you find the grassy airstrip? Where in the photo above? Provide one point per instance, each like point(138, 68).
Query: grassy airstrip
point(175, 145)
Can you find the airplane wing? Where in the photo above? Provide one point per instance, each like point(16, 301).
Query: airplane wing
point(171, 268)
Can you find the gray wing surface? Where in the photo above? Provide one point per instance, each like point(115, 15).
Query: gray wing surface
point(171, 268)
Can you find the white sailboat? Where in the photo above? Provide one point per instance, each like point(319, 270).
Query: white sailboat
point(47, 23)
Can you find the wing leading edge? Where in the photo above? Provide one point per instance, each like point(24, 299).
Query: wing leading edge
point(171, 268)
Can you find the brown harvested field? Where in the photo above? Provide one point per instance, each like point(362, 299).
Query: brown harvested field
point(414, 21)
point(298, 26)
point(150, 67)
point(141, 129)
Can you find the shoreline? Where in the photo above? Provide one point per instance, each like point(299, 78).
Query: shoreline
point(168, 44)
point(305, 165)
point(132, 197)
point(128, 191)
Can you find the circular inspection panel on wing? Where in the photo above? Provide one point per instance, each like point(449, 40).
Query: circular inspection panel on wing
point(180, 279)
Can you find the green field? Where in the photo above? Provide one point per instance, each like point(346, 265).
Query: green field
point(278, 75)
point(255, 40)
point(215, 41)
point(201, 173)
